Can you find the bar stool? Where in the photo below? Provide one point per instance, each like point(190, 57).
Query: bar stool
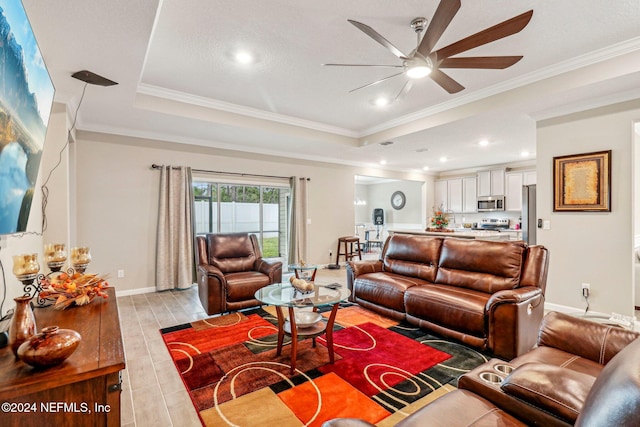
point(350, 251)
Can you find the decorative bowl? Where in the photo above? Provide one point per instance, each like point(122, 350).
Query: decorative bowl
point(306, 319)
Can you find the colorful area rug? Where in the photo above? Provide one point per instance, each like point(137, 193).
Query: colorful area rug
point(383, 370)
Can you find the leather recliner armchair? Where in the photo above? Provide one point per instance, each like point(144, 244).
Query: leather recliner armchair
point(230, 271)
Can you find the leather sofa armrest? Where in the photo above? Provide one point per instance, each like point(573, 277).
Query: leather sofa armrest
point(513, 317)
point(513, 296)
point(271, 268)
point(211, 288)
point(584, 338)
point(213, 271)
point(364, 267)
point(357, 268)
point(560, 391)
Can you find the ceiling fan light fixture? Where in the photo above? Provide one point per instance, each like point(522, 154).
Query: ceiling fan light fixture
point(418, 72)
point(381, 102)
point(243, 57)
point(418, 67)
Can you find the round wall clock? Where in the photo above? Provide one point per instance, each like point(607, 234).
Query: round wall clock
point(398, 199)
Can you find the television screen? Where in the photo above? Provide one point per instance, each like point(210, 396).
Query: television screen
point(26, 97)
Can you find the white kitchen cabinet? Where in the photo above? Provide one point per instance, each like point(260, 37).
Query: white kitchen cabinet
point(454, 187)
point(469, 195)
point(484, 183)
point(528, 177)
point(456, 195)
point(491, 183)
point(513, 196)
point(514, 182)
point(441, 195)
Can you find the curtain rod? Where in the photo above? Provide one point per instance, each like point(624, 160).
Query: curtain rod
point(154, 166)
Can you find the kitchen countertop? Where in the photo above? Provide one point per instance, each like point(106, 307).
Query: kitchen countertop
point(463, 233)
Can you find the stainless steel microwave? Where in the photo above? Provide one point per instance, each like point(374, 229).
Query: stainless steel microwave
point(490, 203)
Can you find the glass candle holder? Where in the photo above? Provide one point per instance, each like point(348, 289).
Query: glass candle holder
point(55, 256)
point(25, 266)
point(80, 258)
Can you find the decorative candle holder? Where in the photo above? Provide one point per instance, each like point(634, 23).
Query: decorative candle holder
point(55, 256)
point(80, 258)
point(26, 268)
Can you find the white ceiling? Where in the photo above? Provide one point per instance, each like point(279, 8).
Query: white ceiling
point(178, 81)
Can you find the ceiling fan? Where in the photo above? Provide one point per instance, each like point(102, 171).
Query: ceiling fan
point(424, 61)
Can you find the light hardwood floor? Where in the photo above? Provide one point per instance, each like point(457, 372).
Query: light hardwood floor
point(152, 392)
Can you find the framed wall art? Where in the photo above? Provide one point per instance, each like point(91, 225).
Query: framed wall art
point(582, 182)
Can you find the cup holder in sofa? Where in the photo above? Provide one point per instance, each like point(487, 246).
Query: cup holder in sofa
point(490, 377)
point(503, 368)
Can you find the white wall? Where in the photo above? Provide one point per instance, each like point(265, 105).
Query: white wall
point(117, 198)
point(379, 196)
point(595, 248)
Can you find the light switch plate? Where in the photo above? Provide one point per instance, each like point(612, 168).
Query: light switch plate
point(546, 224)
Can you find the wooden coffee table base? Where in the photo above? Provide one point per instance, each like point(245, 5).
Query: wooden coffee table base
point(311, 332)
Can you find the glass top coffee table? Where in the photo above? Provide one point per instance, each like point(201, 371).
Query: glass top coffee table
point(303, 323)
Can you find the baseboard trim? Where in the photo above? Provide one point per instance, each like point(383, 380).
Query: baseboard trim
point(138, 291)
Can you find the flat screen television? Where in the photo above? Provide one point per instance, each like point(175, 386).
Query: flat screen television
point(26, 98)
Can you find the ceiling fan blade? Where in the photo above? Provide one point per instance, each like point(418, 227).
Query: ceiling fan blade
point(405, 90)
point(497, 32)
point(488, 62)
point(377, 37)
point(376, 82)
point(362, 65)
point(446, 82)
point(445, 12)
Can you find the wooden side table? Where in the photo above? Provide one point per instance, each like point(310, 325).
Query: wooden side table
point(85, 389)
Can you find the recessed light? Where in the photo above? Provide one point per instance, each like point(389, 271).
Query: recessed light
point(381, 102)
point(524, 153)
point(443, 159)
point(483, 143)
point(426, 168)
point(243, 57)
point(383, 162)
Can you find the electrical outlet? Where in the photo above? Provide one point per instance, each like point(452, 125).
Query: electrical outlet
point(586, 289)
point(120, 274)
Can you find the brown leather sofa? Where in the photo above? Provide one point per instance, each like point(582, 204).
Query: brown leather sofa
point(230, 271)
point(486, 294)
point(581, 373)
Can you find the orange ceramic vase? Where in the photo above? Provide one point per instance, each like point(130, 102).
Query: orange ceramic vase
point(23, 323)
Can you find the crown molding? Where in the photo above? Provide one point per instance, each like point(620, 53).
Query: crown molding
point(174, 95)
point(578, 62)
point(133, 133)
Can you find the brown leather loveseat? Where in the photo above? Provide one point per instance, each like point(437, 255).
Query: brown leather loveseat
point(581, 373)
point(486, 294)
point(230, 271)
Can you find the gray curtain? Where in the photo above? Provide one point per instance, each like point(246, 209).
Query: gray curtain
point(298, 239)
point(174, 249)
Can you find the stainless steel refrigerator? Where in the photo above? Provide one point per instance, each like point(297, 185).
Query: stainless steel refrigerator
point(529, 221)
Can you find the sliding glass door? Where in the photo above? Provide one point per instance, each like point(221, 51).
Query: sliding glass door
point(256, 209)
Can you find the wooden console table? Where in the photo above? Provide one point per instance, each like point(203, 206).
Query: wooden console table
point(85, 389)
